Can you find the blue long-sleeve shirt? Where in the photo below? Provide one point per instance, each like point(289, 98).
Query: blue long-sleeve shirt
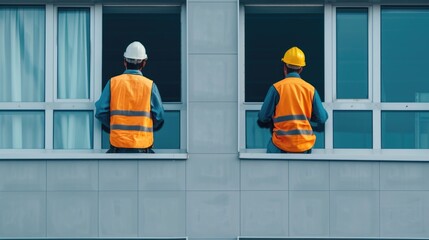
point(318, 115)
point(102, 106)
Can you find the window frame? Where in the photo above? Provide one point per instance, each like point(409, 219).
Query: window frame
point(52, 103)
point(331, 103)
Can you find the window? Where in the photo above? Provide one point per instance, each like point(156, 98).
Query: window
point(267, 35)
point(164, 67)
point(56, 59)
point(375, 87)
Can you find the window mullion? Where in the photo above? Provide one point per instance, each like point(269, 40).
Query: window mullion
point(49, 76)
point(375, 22)
point(329, 72)
point(96, 59)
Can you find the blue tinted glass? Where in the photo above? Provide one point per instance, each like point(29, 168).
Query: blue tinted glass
point(168, 137)
point(352, 53)
point(73, 129)
point(404, 54)
point(22, 129)
point(257, 137)
point(352, 129)
point(405, 130)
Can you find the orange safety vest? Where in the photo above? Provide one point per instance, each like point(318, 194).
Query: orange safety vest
point(292, 130)
point(131, 125)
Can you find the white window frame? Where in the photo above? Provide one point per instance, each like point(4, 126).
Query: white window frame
point(331, 103)
point(52, 103)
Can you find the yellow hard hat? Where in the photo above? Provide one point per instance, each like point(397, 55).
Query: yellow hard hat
point(294, 57)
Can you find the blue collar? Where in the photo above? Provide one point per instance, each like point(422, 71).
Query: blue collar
point(133, 71)
point(293, 74)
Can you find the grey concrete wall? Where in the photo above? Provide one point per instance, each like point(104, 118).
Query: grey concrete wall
point(213, 194)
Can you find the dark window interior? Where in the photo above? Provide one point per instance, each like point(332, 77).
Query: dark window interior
point(269, 32)
point(159, 30)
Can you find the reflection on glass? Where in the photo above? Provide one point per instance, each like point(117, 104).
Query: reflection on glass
point(405, 130)
point(352, 129)
point(352, 53)
point(22, 129)
point(257, 137)
point(168, 137)
point(73, 129)
point(73, 53)
point(22, 57)
point(404, 54)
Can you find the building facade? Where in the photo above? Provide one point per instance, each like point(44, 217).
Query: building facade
point(210, 178)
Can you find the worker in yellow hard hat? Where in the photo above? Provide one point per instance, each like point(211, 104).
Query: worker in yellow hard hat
point(289, 106)
point(131, 106)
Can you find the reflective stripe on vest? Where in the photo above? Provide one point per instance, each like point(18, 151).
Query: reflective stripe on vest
point(131, 125)
point(292, 130)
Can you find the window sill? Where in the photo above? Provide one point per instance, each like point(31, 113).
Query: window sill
point(419, 155)
point(32, 154)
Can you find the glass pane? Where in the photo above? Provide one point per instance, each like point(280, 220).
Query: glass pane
point(348, 134)
point(257, 137)
point(404, 54)
point(22, 58)
point(405, 130)
point(159, 31)
point(352, 53)
point(22, 129)
point(268, 36)
point(73, 129)
point(168, 137)
point(73, 53)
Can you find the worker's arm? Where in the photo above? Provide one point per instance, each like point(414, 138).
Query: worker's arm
point(268, 107)
point(319, 114)
point(102, 106)
point(157, 109)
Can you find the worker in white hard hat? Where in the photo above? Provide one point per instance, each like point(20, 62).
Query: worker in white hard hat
point(130, 106)
point(289, 106)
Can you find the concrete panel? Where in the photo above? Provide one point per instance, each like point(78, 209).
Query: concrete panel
point(118, 214)
point(354, 213)
point(264, 213)
point(162, 214)
point(212, 214)
point(72, 214)
point(404, 214)
point(213, 27)
point(264, 175)
point(309, 175)
point(213, 128)
point(404, 176)
point(72, 175)
point(355, 176)
point(118, 175)
point(213, 78)
point(309, 213)
point(162, 175)
point(22, 175)
point(212, 172)
point(22, 214)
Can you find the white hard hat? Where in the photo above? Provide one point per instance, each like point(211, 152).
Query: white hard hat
point(135, 51)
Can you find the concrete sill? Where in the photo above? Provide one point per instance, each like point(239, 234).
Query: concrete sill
point(89, 155)
point(419, 155)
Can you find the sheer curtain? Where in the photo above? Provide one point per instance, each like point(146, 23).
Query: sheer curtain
point(22, 74)
point(73, 53)
point(73, 129)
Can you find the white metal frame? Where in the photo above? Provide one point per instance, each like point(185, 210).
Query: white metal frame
point(373, 103)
